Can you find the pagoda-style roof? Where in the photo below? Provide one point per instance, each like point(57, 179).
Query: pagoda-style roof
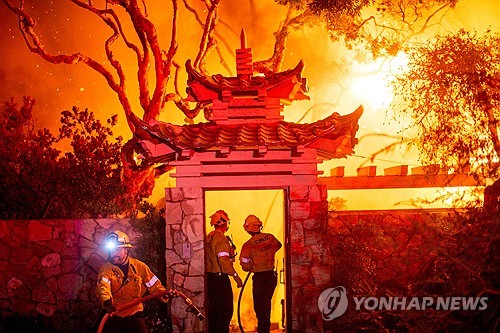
point(288, 85)
point(244, 115)
point(332, 137)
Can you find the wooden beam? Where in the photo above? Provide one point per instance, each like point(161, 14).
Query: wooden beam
point(426, 170)
point(246, 181)
point(370, 171)
point(410, 181)
point(400, 170)
point(337, 171)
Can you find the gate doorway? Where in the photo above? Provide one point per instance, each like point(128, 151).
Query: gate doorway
point(269, 206)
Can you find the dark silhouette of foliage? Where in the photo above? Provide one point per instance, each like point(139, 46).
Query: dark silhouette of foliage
point(38, 181)
point(451, 91)
point(94, 165)
point(376, 28)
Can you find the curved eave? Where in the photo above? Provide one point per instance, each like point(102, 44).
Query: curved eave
point(332, 137)
point(286, 85)
point(156, 132)
point(339, 141)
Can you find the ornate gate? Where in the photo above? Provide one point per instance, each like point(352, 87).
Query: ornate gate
point(246, 145)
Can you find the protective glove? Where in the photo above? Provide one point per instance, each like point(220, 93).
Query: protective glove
point(238, 281)
point(109, 306)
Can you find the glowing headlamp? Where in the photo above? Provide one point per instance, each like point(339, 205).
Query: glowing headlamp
point(110, 245)
point(112, 242)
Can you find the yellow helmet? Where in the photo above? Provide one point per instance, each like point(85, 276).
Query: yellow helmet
point(252, 224)
point(117, 239)
point(218, 218)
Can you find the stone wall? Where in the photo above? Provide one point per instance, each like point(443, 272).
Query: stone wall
point(393, 247)
point(48, 272)
point(309, 262)
point(48, 268)
point(370, 254)
point(433, 253)
point(185, 254)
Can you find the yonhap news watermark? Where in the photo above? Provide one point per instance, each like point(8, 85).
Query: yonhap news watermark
point(333, 303)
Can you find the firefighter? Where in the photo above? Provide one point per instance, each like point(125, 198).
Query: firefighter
point(257, 256)
point(121, 280)
point(219, 269)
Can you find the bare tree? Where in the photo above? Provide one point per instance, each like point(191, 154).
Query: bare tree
point(150, 56)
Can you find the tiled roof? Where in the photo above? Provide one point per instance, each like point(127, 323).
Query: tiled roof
point(286, 85)
point(333, 137)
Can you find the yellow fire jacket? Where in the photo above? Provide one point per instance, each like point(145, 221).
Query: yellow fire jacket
point(111, 284)
point(257, 254)
point(219, 253)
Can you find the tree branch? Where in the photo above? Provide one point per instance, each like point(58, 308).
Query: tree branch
point(274, 63)
point(207, 41)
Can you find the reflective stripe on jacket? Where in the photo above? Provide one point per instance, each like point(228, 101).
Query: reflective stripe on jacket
point(257, 254)
point(111, 283)
point(218, 253)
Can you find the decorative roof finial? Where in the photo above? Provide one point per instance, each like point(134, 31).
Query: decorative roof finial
point(243, 39)
point(244, 62)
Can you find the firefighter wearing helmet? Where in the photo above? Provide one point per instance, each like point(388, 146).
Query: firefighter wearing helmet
point(257, 256)
point(219, 269)
point(121, 280)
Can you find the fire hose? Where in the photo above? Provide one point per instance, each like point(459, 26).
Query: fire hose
point(239, 302)
point(169, 293)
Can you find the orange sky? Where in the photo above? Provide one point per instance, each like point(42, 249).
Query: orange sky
point(67, 28)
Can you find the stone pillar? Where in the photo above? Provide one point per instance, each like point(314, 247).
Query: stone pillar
point(308, 254)
point(185, 254)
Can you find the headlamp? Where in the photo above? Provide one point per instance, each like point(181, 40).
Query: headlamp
point(112, 241)
point(110, 245)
